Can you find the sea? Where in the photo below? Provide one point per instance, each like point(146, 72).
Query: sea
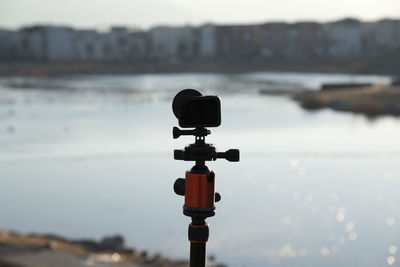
point(89, 156)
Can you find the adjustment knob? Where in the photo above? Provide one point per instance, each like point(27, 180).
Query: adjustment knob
point(229, 155)
point(179, 154)
point(217, 197)
point(176, 132)
point(232, 155)
point(179, 186)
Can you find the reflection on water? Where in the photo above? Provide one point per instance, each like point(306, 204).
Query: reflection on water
point(311, 189)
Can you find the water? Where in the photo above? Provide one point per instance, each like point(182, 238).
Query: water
point(93, 157)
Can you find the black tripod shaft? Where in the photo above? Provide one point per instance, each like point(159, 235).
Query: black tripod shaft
point(198, 236)
point(197, 254)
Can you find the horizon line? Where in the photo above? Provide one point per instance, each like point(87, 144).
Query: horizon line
point(130, 26)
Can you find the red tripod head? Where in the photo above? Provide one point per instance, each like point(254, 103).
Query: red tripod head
point(198, 187)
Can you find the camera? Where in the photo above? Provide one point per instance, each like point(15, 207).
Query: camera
point(193, 110)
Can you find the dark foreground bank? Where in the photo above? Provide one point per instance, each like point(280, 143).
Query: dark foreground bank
point(20, 250)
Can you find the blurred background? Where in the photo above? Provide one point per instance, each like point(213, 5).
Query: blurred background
point(310, 95)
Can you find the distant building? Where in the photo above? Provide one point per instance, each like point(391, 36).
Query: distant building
point(39, 43)
point(6, 37)
point(58, 43)
point(344, 38)
point(173, 43)
point(274, 40)
point(381, 35)
point(127, 45)
point(207, 41)
point(236, 42)
point(139, 46)
point(87, 46)
point(30, 43)
point(26, 44)
point(117, 45)
point(305, 41)
point(387, 33)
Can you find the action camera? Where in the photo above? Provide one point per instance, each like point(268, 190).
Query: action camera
point(193, 110)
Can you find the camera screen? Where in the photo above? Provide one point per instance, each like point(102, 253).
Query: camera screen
point(202, 111)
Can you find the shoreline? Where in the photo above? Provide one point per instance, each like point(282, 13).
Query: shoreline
point(51, 69)
point(24, 250)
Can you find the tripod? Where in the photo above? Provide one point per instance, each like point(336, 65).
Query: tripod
point(198, 186)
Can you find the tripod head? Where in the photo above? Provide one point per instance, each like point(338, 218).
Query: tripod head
point(201, 151)
point(194, 110)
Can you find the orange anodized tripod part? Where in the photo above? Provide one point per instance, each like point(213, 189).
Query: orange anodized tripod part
point(200, 190)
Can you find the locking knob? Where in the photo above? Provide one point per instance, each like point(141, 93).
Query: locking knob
point(229, 155)
point(217, 197)
point(179, 186)
point(232, 155)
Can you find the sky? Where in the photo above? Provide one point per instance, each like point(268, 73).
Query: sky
point(147, 13)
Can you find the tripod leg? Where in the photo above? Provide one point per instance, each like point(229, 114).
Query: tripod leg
point(197, 254)
point(198, 236)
